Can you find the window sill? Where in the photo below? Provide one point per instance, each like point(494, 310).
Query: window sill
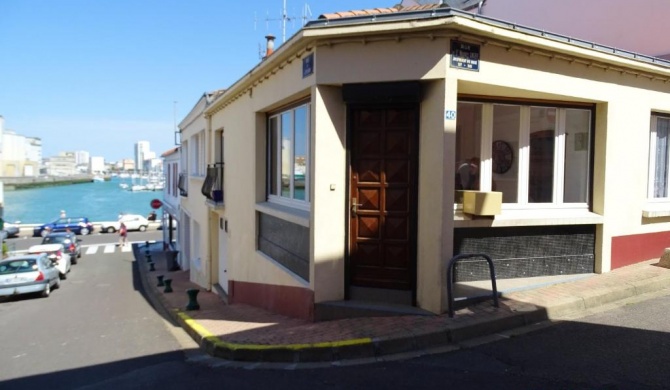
point(656, 210)
point(528, 218)
point(290, 214)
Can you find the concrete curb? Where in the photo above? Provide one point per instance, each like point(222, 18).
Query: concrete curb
point(453, 335)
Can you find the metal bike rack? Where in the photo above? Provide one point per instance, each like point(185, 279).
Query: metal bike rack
point(450, 280)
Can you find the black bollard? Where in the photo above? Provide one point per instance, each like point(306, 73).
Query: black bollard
point(151, 266)
point(148, 258)
point(192, 299)
point(160, 280)
point(168, 285)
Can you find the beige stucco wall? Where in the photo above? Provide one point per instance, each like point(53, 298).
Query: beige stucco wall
point(244, 130)
point(194, 205)
point(329, 193)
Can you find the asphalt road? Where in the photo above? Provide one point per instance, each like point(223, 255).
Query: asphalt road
point(99, 331)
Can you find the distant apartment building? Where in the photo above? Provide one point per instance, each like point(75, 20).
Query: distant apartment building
point(15, 161)
point(65, 164)
point(19, 155)
point(82, 157)
point(152, 165)
point(142, 150)
point(96, 164)
point(34, 149)
point(127, 164)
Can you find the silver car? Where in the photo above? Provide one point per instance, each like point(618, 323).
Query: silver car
point(28, 274)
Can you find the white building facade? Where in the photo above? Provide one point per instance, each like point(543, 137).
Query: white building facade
point(96, 165)
point(142, 150)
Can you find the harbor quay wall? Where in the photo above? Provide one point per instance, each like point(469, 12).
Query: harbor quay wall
point(19, 183)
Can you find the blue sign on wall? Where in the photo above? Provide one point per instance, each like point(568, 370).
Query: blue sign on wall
point(308, 65)
point(464, 56)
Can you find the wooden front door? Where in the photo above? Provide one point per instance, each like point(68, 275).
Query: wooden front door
point(383, 197)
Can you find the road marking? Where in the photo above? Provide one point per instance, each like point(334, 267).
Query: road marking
point(127, 248)
point(110, 248)
point(91, 250)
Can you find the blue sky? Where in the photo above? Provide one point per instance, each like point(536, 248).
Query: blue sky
point(100, 75)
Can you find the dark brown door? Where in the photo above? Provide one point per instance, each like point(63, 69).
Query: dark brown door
point(383, 192)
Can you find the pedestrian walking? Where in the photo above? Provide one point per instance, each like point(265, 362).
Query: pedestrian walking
point(123, 234)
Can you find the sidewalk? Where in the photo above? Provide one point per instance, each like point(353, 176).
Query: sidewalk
point(245, 333)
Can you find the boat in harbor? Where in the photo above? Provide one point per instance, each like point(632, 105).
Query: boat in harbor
point(138, 187)
point(98, 179)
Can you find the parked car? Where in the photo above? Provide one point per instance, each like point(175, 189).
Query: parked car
point(132, 222)
point(173, 225)
point(77, 225)
point(69, 241)
point(27, 274)
point(56, 253)
point(11, 230)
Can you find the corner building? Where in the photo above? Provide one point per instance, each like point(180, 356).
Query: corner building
point(337, 158)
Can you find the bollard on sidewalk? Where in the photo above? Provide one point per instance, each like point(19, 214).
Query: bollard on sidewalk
point(160, 280)
point(192, 299)
point(168, 285)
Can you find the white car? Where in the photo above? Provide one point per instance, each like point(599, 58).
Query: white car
point(56, 253)
point(132, 222)
point(27, 274)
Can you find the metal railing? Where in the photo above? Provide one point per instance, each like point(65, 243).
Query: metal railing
point(212, 187)
point(182, 184)
point(450, 278)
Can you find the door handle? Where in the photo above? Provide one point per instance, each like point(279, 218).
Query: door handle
point(355, 206)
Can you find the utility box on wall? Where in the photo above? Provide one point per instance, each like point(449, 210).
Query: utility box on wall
point(482, 203)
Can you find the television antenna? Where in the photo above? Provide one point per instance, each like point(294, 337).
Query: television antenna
point(284, 18)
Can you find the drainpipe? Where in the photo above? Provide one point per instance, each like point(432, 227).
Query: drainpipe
point(210, 282)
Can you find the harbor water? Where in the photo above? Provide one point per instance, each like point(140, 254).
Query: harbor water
point(99, 201)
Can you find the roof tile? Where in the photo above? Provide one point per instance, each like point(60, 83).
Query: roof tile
point(377, 11)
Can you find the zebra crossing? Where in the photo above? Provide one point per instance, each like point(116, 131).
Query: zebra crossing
point(106, 248)
point(92, 249)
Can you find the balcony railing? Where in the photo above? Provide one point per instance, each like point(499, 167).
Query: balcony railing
point(212, 188)
point(182, 184)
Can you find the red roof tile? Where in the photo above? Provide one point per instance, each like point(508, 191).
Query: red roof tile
point(377, 11)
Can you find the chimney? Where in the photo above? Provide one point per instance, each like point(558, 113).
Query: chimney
point(270, 45)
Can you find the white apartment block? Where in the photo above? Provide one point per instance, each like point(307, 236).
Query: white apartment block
point(142, 150)
point(96, 164)
point(82, 157)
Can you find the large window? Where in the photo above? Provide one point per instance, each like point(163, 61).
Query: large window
point(659, 157)
point(288, 156)
point(537, 156)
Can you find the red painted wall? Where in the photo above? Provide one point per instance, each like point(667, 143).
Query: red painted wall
point(627, 250)
point(293, 302)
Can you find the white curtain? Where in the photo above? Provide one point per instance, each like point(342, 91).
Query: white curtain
point(661, 174)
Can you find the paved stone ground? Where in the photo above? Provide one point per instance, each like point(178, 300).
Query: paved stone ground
point(242, 332)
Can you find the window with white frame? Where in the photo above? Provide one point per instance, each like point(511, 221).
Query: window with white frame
point(289, 156)
point(537, 156)
point(659, 157)
point(197, 154)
